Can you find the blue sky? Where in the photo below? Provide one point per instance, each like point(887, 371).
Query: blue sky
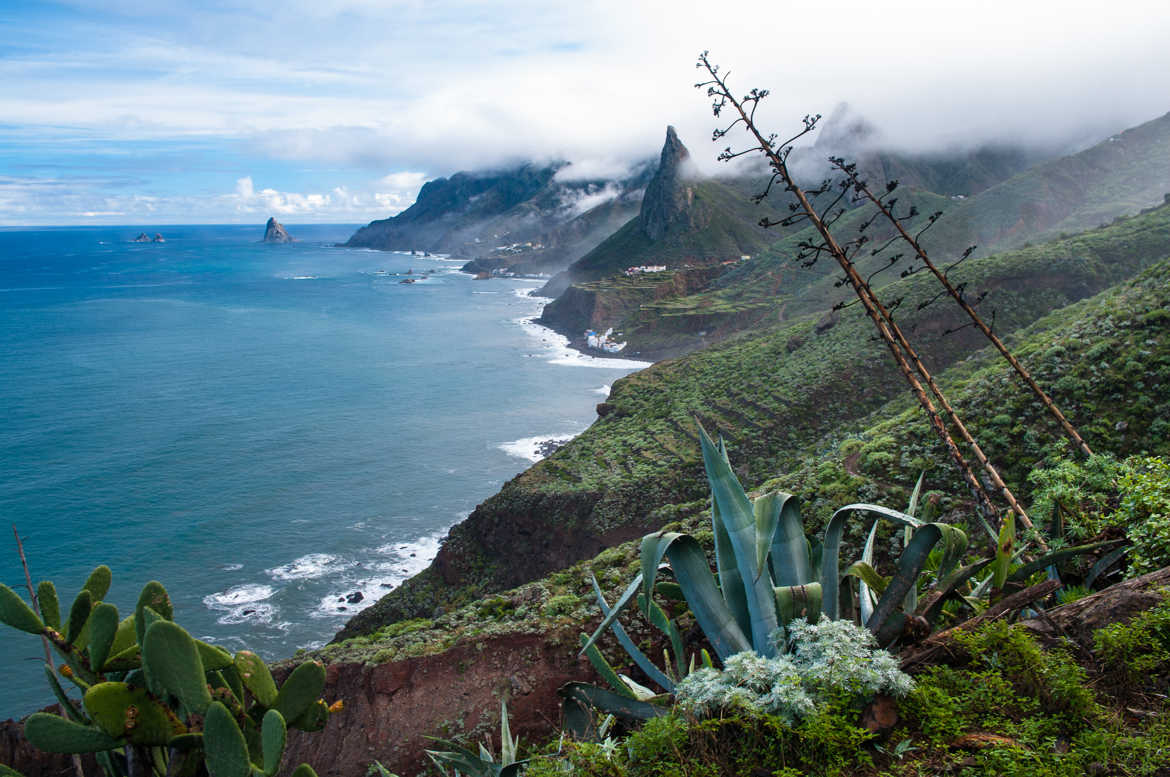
point(338, 110)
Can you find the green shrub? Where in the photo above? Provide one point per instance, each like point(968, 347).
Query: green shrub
point(1144, 512)
point(829, 663)
point(1138, 650)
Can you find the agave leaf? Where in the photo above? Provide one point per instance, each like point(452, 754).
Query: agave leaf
point(909, 566)
point(693, 574)
point(730, 576)
point(739, 517)
point(868, 577)
point(618, 606)
point(514, 769)
point(911, 602)
point(610, 703)
point(864, 595)
point(663, 623)
point(603, 667)
point(793, 601)
point(641, 692)
point(462, 760)
point(508, 747)
point(790, 549)
point(830, 554)
point(766, 510)
point(644, 663)
point(954, 544)
point(1027, 570)
point(932, 604)
point(915, 495)
point(1004, 548)
point(1103, 563)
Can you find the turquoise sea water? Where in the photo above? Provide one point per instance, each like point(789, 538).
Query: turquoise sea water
point(265, 429)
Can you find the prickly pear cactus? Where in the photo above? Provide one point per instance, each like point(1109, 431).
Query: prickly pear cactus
point(153, 696)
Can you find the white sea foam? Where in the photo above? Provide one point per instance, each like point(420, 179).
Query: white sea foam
point(395, 562)
point(249, 613)
point(232, 567)
point(528, 448)
point(248, 593)
point(309, 566)
point(525, 293)
point(602, 390)
point(559, 352)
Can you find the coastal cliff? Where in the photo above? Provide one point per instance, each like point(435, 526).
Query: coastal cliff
point(776, 395)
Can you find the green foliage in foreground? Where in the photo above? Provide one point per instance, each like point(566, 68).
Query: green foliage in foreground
point(1006, 707)
point(767, 572)
point(1105, 495)
point(154, 699)
point(824, 416)
point(483, 763)
point(828, 664)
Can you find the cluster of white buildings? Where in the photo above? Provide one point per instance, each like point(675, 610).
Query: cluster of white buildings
point(644, 268)
point(602, 342)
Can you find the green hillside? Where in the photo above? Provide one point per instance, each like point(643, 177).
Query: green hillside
point(1118, 176)
point(779, 396)
point(727, 225)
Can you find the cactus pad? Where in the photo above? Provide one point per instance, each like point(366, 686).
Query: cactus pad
point(256, 677)
point(224, 745)
point(273, 734)
point(98, 582)
point(57, 735)
point(103, 627)
point(15, 613)
point(172, 661)
point(303, 686)
point(131, 713)
point(78, 616)
point(49, 604)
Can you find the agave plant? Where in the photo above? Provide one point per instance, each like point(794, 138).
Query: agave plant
point(768, 573)
point(466, 763)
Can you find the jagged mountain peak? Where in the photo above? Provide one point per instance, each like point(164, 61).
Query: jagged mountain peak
point(668, 197)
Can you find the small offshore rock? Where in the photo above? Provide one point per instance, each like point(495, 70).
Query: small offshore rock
point(274, 232)
point(355, 597)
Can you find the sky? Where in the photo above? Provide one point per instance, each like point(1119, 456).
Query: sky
point(231, 111)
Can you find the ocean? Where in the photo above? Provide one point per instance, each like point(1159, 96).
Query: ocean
point(278, 433)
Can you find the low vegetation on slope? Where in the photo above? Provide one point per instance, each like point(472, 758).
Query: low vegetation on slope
point(1118, 176)
point(1003, 700)
point(788, 395)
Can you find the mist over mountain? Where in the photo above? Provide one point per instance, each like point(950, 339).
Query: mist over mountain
point(533, 216)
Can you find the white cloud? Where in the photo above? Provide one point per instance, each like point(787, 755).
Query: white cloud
point(443, 85)
point(32, 201)
point(245, 190)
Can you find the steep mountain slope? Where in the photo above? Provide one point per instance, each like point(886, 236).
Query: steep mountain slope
point(536, 216)
point(511, 632)
point(685, 222)
point(775, 394)
point(1117, 176)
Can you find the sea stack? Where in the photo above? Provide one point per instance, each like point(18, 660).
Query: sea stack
point(275, 232)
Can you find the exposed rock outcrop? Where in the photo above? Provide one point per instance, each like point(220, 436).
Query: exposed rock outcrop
point(667, 203)
point(274, 232)
point(391, 709)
